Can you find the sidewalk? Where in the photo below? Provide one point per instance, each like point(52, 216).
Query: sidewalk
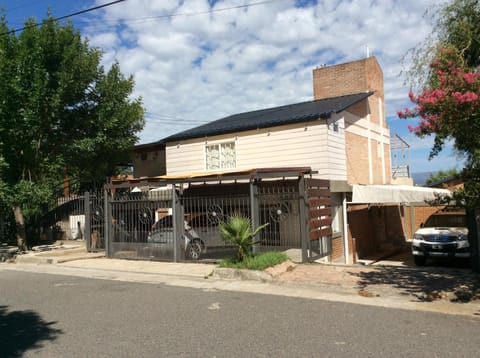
point(444, 290)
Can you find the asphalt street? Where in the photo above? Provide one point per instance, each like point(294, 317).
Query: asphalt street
point(45, 315)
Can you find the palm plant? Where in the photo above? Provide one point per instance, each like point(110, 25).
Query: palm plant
point(237, 229)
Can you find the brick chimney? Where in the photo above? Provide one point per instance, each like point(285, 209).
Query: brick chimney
point(348, 78)
point(367, 140)
point(352, 77)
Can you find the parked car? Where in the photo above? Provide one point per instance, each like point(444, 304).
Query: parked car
point(162, 233)
point(444, 234)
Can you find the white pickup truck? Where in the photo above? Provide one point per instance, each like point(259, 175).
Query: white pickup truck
point(444, 234)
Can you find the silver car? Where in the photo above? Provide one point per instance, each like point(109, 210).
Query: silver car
point(162, 233)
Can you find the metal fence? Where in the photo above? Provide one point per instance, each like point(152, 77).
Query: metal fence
point(131, 227)
point(180, 221)
point(279, 207)
point(95, 229)
point(177, 223)
point(77, 217)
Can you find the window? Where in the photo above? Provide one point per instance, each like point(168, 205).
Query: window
point(337, 218)
point(220, 156)
point(337, 213)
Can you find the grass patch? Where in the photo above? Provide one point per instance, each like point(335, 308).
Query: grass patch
point(258, 261)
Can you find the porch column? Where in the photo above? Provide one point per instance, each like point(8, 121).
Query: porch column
point(346, 247)
point(412, 221)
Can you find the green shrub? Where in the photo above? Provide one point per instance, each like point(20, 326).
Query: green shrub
point(237, 230)
point(259, 261)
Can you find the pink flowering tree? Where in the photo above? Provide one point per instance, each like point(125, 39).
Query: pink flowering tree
point(449, 108)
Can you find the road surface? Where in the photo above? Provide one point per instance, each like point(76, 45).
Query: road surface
point(46, 315)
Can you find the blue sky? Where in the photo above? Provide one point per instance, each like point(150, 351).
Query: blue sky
point(199, 60)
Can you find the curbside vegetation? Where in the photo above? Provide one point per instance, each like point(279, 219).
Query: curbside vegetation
point(237, 230)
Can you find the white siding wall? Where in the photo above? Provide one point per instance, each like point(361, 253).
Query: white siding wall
point(337, 157)
point(301, 145)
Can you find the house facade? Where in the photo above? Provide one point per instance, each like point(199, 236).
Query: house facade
point(346, 138)
point(341, 135)
point(366, 132)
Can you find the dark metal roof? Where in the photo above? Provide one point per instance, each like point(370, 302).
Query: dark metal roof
point(271, 117)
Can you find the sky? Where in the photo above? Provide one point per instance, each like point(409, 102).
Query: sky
point(195, 61)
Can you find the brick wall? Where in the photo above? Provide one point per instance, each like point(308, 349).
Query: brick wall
point(357, 159)
point(382, 228)
point(352, 77)
point(361, 231)
point(337, 249)
point(356, 77)
point(388, 163)
point(378, 228)
point(421, 215)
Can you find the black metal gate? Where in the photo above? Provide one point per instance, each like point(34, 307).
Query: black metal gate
point(141, 225)
point(181, 222)
point(95, 234)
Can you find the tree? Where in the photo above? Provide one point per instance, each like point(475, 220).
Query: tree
point(456, 24)
point(238, 231)
point(448, 104)
point(440, 175)
point(61, 114)
point(449, 109)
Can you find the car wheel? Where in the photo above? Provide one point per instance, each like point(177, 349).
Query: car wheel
point(419, 260)
point(194, 250)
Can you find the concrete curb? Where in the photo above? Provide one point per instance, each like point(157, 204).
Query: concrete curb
point(267, 275)
point(56, 256)
point(35, 259)
point(241, 274)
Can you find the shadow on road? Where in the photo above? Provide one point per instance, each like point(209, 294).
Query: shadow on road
point(23, 330)
point(425, 284)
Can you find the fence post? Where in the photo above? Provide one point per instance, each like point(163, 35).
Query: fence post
point(474, 238)
point(107, 209)
point(88, 221)
point(255, 215)
point(304, 228)
point(178, 226)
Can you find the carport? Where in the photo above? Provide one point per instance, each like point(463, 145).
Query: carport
point(295, 206)
point(383, 218)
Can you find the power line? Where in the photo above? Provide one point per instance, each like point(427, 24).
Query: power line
point(206, 12)
point(65, 16)
point(172, 121)
point(169, 16)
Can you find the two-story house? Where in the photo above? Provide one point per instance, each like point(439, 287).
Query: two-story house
point(342, 135)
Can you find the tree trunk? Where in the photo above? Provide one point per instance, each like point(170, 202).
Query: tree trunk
point(473, 217)
point(20, 222)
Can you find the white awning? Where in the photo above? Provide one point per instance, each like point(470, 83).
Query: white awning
point(373, 194)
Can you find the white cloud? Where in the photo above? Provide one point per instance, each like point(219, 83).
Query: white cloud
point(201, 66)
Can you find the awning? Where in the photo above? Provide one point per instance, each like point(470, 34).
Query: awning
point(373, 194)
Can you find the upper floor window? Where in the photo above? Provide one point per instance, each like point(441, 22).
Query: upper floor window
point(220, 156)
